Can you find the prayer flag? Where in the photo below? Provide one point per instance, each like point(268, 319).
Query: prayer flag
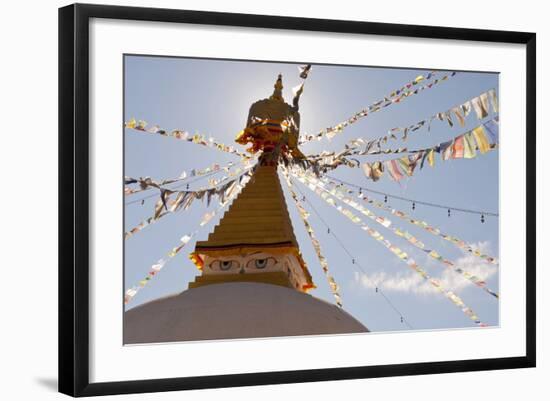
point(405, 165)
point(494, 100)
point(431, 157)
point(131, 124)
point(491, 127)
point(458, 148)
point(393, 169)
point(466, 108)
point(484, 98)
point(446, 150)
point(459, 116)
point(479, 107)
point(469, 146)
point(481, 139)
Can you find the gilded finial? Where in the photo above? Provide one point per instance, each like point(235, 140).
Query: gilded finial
point(278, 89)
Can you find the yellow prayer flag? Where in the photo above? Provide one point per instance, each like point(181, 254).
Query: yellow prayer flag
point(481, 139)
point(431, 157)
point(131, 124)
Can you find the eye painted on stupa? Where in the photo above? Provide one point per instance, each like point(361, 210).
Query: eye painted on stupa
point(261, 263)
point(224, 265)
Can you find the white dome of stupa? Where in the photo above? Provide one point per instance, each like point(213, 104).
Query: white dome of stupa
point(235, 310)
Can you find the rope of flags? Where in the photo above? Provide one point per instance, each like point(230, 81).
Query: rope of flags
point(479, 104)
point(355, 262)
point(319, 188)
point(315, 242)
point(409, 89)
point(146, 183)
point(199, 139)
point(454, 298)
point(461, 244)
point(158, 266)
point(184, 199)
point(483, 138)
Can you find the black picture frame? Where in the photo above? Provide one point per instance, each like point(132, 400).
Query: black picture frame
point(74, 200)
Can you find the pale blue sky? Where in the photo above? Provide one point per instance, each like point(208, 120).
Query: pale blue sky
point(213, 97)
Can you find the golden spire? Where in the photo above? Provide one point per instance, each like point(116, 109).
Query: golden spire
point(254, 240)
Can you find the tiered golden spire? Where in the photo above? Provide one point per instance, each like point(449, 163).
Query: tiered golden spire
point(254, 240)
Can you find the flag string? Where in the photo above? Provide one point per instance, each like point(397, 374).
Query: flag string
point(188, 180)
point(355, 261)
point(362, 188)
point(314, 241)
point(184, 199)
point(387, 223)
point(159, 265)
point(199, 139)
point(423, 224)
point(454, 298)
point(146, 183)
point(479, 104)
point(394, 97)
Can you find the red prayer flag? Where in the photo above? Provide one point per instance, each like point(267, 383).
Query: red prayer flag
point(458, 147)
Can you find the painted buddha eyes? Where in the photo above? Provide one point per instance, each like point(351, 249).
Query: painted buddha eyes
point(261, 263)
point(257, 263)
point(224, 265)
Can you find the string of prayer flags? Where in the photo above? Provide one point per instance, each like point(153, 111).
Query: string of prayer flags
point(461, 244)
point(351, 149)
point(206, 218)
point(483, 138)
point(454, 298)
point(319, 188)
point(146, 183)
point(140, 226)
point(198, 139)
point(435, 231)
point(459, 113)
point(369, 150)
point(315, 242)
point(157, 267)
point(325, 161)
point(396, 96)
point(183, 200)
point(465, 146)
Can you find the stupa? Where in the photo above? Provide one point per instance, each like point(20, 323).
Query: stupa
point(253, 279)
